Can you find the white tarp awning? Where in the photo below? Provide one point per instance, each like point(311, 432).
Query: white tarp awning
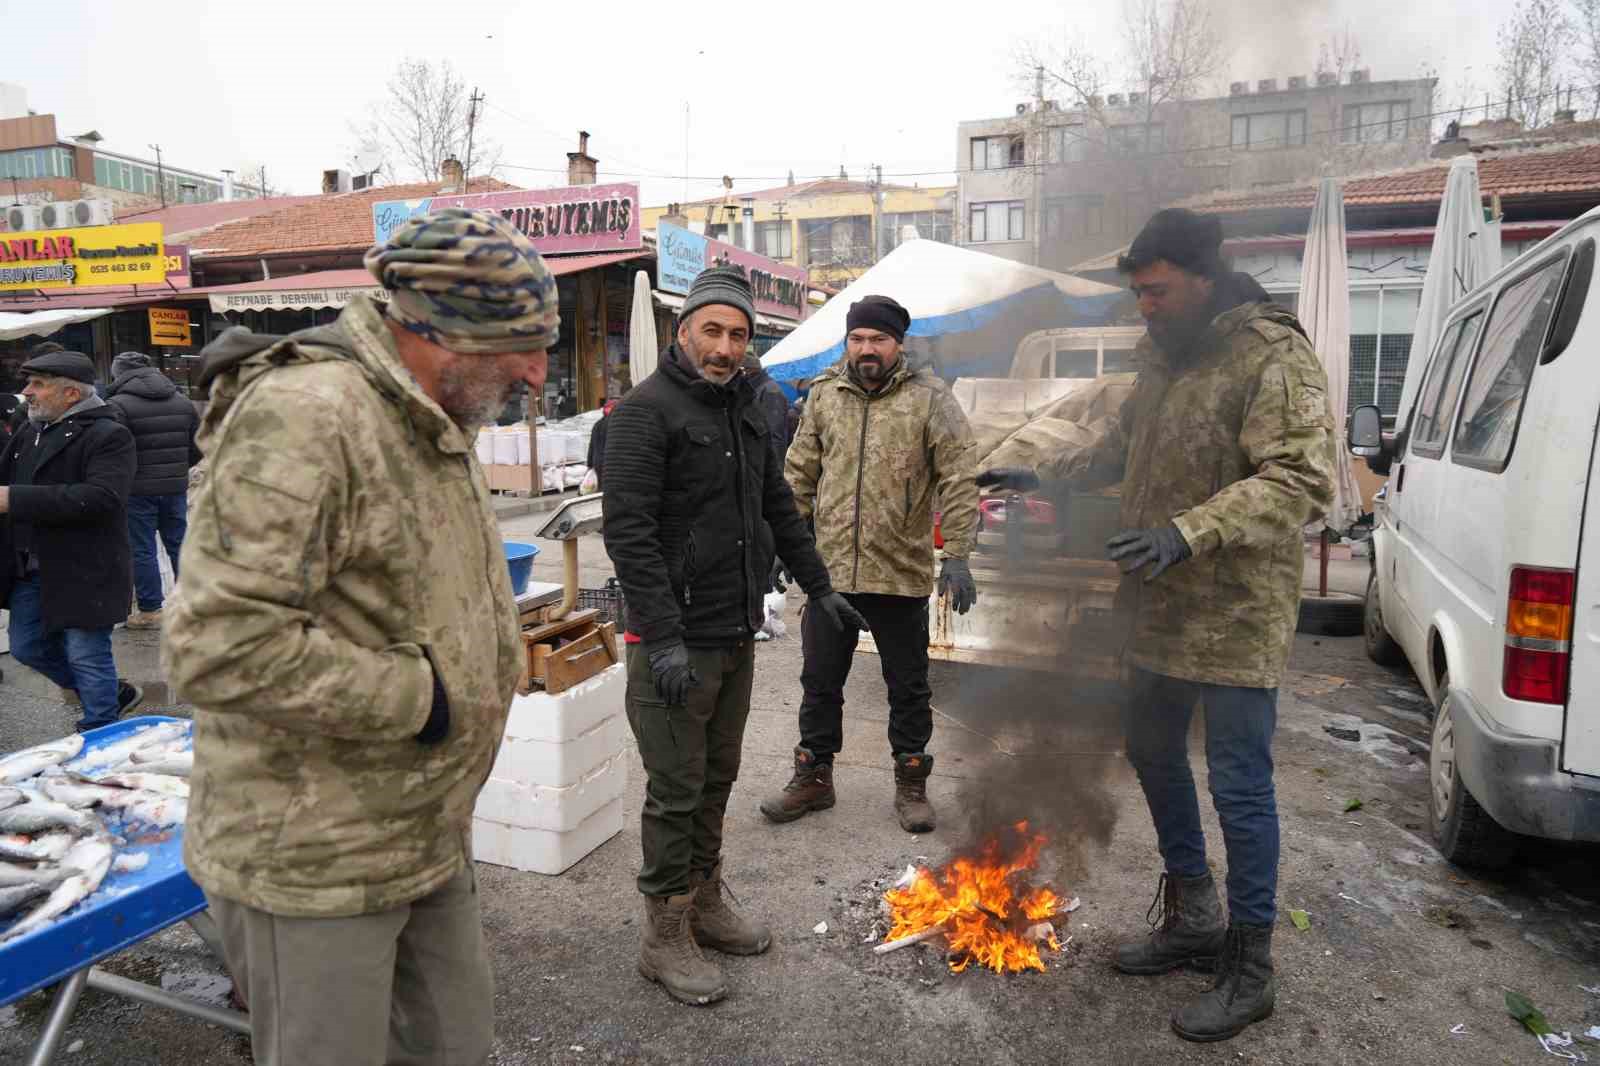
point(1324, 310)
point(14, 324)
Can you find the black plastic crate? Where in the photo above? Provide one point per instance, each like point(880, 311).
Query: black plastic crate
point(608, 601)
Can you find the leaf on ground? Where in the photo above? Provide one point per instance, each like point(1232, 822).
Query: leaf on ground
point(1301, 920)
point(1523, 1010)
point(1352, 805)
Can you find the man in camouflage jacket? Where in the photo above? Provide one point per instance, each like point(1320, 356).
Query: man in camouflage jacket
point(347, 633)
point(1224, 452)
point(879, 442)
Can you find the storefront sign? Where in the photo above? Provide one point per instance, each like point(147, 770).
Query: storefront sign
point(83, 258)
point(779, 289)
point(178, 266)
point(170, 326)
point(574, 218)
point(292, 299)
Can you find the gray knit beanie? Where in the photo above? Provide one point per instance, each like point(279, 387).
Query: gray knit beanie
point(720, 285)
point(126, 362)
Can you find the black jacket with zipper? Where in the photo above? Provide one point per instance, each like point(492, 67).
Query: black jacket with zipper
point(69, 485)
point(695, 506)
point(163, 423)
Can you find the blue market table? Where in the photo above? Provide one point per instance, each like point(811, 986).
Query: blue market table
point(127, 908)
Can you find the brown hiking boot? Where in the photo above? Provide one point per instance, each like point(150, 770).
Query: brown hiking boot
point(1242, 994)
point(718, 926)
point(1189, 927)
point(670, 956)
point(145, 619)
point(810, 789)
point(911, 792)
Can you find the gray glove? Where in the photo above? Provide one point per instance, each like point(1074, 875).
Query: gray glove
point(839, 611)
point(955, 582)
point(1009, 479)
point(1163, 546)
point(670, 670)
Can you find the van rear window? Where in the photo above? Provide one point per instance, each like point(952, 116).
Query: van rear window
point(1491, 405)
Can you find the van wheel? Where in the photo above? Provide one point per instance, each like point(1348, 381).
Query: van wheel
point(1466, 835)
point(1381, 647)
point(1338, 614)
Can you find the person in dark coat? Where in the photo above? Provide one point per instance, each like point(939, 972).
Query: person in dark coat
point(65, 570)
point(597, 443)
point(769, 398)
point(163, 422)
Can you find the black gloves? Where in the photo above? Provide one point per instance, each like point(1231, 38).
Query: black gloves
point(1009, 479)
point(955, 582)
point(839, 611)
point(1164, 546)
point(670, 669)
point(438, 723)
point(777, 577)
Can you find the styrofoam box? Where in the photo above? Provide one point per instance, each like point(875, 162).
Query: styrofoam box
point(560, 809)
point(505, 446)
point(484, 447)
point(542, 850)
point(557, 764)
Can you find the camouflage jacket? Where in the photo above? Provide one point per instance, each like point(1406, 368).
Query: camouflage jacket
point(341, 554)
point(867, 467)
point(1234, 448)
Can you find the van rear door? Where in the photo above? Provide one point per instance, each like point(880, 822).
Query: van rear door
point(1580, 750)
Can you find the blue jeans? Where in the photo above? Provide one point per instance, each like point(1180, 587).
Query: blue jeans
point(77, 659)
point(1239, 725)
point(147, 516)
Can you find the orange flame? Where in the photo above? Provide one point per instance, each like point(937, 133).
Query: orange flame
point(988, 915)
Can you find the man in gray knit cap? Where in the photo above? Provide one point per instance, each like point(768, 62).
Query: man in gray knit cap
point(695, 507)
point(347, 634)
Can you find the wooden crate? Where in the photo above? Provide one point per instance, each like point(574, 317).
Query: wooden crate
point(559, 655)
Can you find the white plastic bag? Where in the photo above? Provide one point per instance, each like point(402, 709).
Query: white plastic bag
point(774, 626)
point(591, 483)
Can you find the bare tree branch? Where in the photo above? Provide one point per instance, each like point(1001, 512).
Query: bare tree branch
point(1588, 61)
point(1533, 50)
point(423, 121)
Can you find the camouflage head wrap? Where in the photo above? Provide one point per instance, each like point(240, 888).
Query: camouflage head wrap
point(469, 282)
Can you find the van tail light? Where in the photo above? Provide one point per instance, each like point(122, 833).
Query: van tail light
point(1539, 634)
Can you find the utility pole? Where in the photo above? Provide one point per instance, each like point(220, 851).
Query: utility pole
point(877, 212)
point(261, 189)
point(161, 182)
point(472, 120)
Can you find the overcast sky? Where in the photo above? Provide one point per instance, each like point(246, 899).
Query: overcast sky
point(770, 87)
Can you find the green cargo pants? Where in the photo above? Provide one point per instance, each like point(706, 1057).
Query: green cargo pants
point(691, 759)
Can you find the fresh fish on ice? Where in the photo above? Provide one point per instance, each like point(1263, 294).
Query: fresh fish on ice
point(78, 792)
point(130, 862)
point(121, 751)
point(47, 847)
point(13, 874)
point(163, 783)
point(91, 857)
point(183, 747)
point(39, 814)
point(14, 897)
point(157, 810)
point(10, 797)
point(172, 763)
point(21, 765)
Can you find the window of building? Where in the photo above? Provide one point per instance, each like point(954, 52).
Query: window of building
point(1072, 217)
point(775, 240)
point(931, 225)
point(1371, 123)
point(1270, 129)
point(1381, 324)
point(998, 220)
point(1436, 403)
point(845, 241)
point(998, 153)
point(1137, 138)
point(1067, 144)
point(1491, 406)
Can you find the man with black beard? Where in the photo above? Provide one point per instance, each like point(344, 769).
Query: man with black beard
point(695, 505)
point(1224, 452)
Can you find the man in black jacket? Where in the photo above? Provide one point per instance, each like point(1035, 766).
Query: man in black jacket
point(695, 505)
point(163, 422)
point(64, 566)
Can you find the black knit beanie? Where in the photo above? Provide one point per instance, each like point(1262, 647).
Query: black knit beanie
point(880, 313)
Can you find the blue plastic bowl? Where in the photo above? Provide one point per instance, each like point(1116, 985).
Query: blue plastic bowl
point(519, 557)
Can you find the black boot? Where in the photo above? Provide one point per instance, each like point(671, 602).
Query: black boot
point(1189, 928)
point(1242, 994)
point(911, 804)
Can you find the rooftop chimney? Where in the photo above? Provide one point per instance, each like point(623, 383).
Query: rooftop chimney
point(450, 175)
point(227, 185)
point(675, 216)
point(581, 166)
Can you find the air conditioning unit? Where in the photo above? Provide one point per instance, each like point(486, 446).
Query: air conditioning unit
point(1022, 109)
point(1297, 82)
point(1267, 85)
point(1239, 88)
point(1360, 77)
point(1114, 100)
point(21, 217)
point(1327, 78)
point(1136, 99)
point(72, 213)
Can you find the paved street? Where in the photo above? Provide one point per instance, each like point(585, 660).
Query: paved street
point(1401, 947)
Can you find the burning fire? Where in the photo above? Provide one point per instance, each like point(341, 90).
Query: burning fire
point(982, 906)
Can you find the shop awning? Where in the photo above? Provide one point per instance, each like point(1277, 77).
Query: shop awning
point(674, 303)
point(335, 288)
point(43, 323)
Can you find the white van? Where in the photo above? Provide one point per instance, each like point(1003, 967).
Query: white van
point(1486, 553)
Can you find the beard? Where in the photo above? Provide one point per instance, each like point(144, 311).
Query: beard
point(715, 368)
point(473, 391)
